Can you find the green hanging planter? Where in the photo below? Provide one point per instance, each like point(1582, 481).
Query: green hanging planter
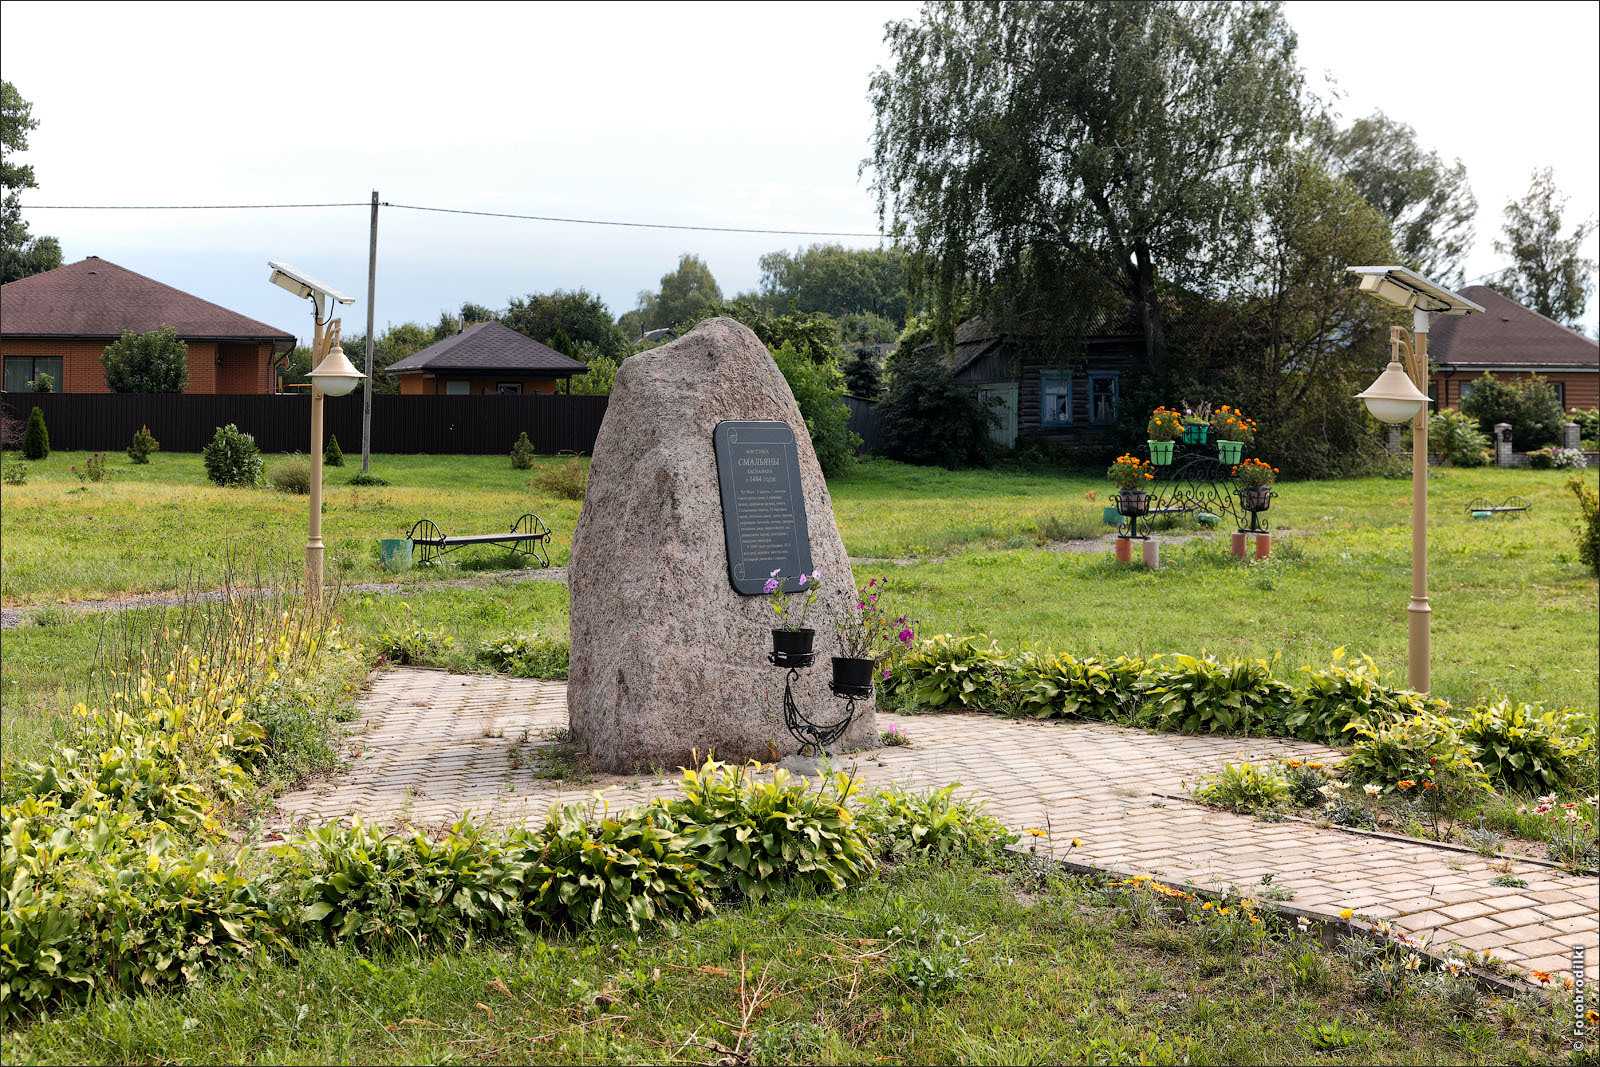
point(1196, 433)
point(1161, 452)
point(1230, 452)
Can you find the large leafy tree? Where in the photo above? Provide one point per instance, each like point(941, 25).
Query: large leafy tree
point(838, 281)
point(686, 291)
point(20, 254)
point(1304, 341)
point(1427, 203)
point(579, 314)
point(393, 344)
point(1549, 273)
point(154, 362)
point(1023, 149)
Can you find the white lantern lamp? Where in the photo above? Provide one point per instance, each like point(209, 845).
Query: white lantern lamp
point(336, 375)
point(1394, 397)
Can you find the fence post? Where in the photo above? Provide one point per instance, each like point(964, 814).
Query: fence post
point(1502, 444)
point(1393, 438)
point(1569, 435)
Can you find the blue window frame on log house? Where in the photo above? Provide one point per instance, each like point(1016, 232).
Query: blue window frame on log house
point(1055, 398)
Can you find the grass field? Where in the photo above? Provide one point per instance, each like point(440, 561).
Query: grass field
point(1513, 610)
point(935, 965)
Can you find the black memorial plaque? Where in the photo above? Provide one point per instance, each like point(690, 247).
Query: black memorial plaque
point(763, 507)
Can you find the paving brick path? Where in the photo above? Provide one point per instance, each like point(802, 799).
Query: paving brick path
point(430, 746)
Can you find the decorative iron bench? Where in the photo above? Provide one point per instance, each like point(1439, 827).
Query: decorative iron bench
point(1481, 507)
point(527, 537)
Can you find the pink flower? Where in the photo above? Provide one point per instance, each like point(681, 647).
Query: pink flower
point(803, 579)
point(905, 636)
point(771, 586)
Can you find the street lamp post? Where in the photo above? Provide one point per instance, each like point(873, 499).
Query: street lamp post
point(332, 375)
point(1400, 394)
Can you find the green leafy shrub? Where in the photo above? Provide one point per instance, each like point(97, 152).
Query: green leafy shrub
point(232, 458)
point(929, 419)
point(567, 479)
point(1455, 439)
point(955, 672)
point(96, 902)
point(819, 393)
point(1191, 694)
point(42, 383)
point(292, 474)
point(525, 655)
point(1327, 701)
point(333, 455)
point(1409, 750)
point(12, 470)
point(1588, 425)
point(1304, 780)
point(1519, 747)
point(1587, 525)
point(154, 362)
point(144, 444)
point(1528, 404)
point(405, 641)
point(754, 836)
point(36, 437)
point(598, 380)
point(1542, 460)
point(364, 478)
point(522, 453)
point(1245, 787)
point(936, 823)
point(1060, 685)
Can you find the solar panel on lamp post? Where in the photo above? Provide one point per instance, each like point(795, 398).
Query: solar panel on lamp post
point(332, 374)
point(1400, 394)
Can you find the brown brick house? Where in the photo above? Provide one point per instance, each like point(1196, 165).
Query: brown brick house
point(1511, 342)
point(485, 357)
point(59, 322)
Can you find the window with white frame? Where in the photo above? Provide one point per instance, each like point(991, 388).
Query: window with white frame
point(457, 388)
point(1055, 398)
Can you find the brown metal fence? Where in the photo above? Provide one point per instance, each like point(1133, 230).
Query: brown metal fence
point(442, 425)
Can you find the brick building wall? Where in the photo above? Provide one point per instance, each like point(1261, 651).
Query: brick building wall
point(1580, 391)
point(243, 368)
point(429, 385)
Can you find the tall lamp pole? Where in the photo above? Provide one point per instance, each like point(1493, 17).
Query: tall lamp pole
point(332, 375)
point(1400, 393)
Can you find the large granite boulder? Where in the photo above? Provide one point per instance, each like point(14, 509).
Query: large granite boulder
point(667, 659)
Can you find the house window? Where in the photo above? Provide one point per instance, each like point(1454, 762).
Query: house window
point(509, 388)
point(1466, 391)
point(1055, 398)
point(1561, 393)
point(20, 370)
point(1433, 395)
point(1102, 398)
point(457, 388)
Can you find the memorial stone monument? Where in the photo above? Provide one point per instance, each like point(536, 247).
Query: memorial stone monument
point(703, 482)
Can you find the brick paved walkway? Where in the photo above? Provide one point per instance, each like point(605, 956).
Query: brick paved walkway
point(431, 745)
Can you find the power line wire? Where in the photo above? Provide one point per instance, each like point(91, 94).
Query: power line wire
point(454, 211)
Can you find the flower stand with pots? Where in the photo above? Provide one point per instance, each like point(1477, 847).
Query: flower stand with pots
point(1165, 427)
point(868, 639)
point(1233, 431)
point(1254, 479)
point(1132, 477)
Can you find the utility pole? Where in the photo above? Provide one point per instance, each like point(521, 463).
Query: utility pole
point(366, 385)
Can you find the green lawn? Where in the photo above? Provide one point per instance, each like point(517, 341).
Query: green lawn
point(1513, 610)
point(933, 965)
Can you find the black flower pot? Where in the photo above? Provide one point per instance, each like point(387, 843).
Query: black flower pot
point(853, 677)
point(792, 648)
point(1133, 502)
point(1255, 497)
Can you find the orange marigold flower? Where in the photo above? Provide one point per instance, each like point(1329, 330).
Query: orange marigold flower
point(1543, 976)
point(1404, 783)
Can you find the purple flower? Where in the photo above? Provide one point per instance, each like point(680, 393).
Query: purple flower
point(905, 636)
point(775, 571)
point(771, 586)
point(803, 579)
point(886, 675)
point(893, 727)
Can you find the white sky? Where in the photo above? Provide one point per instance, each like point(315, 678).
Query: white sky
point(744, 115)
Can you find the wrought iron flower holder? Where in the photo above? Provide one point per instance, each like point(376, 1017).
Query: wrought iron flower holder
point(814, 737)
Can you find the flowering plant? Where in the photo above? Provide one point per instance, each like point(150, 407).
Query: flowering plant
point(1130, 472)
point(93, 470)
point(1201, 412)
point(783, 604)
point(1569, 830)
point(1165, 425)
point(867, 630)
point(1229, 424)
point(1253, 473)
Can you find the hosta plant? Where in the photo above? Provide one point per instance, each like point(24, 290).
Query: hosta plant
point(1246, 787)
point(1519, 746)
point(1061, 685)
point(1199, 694)
point(937, 823)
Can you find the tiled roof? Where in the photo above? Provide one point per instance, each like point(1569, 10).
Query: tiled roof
point(490, 347)
point(1507, 335)
point(975, 338)
point(96, 298)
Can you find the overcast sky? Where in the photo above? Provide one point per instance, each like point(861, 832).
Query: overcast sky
point(707, 115)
